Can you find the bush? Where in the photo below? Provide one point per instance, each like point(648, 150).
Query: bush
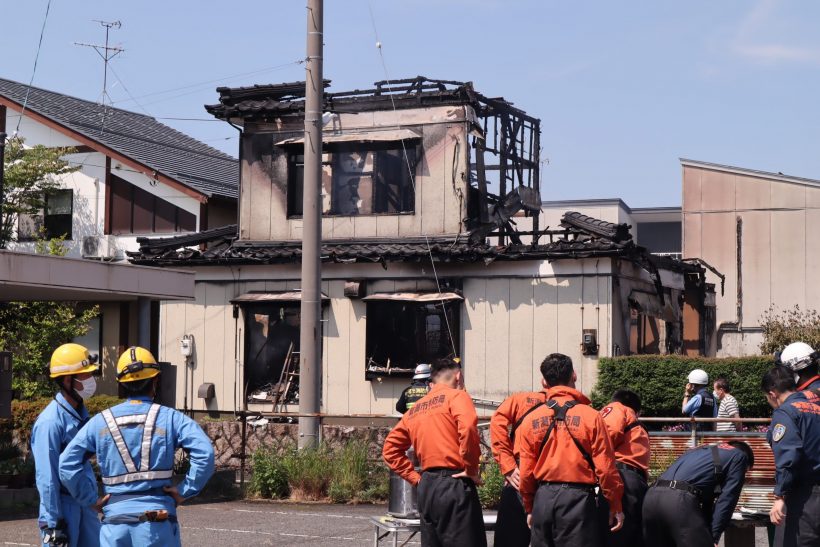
point(489, 493)
point(313, 474)
point(309, 471)
point(792, 325)
point(660, 381)
point(350, 472)
point(378, 485)
point(24, 412)
point(269, 478)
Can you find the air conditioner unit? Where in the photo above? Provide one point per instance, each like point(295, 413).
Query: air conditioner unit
point(100, 247)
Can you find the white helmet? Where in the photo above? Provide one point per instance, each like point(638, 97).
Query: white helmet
point(699, 377)
point(797, 356)
point(422, 372)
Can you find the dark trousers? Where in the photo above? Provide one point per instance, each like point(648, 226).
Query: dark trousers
point(511, 528)
point(674, 518)
point(565, 516)
point(631, 534)
point(802, 526)
point(449, 510)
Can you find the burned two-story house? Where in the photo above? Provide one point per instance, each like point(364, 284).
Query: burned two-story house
point(425, 186)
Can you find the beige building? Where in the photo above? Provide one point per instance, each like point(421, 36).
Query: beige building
point(759, 230)
point(418, 176)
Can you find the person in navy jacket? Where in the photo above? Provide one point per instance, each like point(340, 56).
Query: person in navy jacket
point(692, 502)
point(794, 436)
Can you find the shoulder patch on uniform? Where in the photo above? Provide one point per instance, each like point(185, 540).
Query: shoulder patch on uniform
point(605, 411)
point(778, 432)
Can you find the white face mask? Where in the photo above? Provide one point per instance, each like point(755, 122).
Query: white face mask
point(88, 389)
point(715, 393)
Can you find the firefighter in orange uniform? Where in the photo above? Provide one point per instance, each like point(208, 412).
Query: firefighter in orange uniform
point(565, 451)
point(511, 528)
point(442, 427)
point(630, 441)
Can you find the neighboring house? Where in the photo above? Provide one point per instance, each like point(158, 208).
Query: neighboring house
point(418, 175)
point(136, 177)
point(759, 230)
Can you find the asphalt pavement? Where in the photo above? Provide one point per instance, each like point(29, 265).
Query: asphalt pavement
point(245, 523)
point(242, 523)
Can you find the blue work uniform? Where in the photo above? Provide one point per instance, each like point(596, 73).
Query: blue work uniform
point(134, 443)
point(702, 405)
point(795, 439)
point(55, 427)
point(682, 508)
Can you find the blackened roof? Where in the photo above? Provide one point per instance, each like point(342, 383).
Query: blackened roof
point(136, 136)
point(220, 246)
point(264, 102)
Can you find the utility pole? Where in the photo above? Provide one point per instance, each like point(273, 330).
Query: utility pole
point(3, 175)
point(310, 336)
point(106, 52)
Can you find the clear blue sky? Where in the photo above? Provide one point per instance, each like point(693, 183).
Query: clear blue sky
point(623, 89)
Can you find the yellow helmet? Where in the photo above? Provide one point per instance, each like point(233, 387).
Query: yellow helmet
point(136, 363)
point(71, 359)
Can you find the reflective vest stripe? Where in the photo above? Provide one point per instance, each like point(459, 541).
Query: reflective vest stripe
point(144, 473)
point(138, 476)
point(131, 419)
point(119, 442)
point(147, 434)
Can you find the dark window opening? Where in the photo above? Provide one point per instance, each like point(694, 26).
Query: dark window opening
point(135, 211)
point(271, 338)
point(53, 221)
point(359, 181)
point(401, 335)
point(645, 336)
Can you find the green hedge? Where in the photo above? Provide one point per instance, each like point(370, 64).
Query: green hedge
point(661, 379)
point(24, 413)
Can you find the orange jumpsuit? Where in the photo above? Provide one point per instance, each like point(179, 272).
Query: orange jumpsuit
point(505, 450)
point(630, 443)
point(442, 427)
point(561, 461)
point(511, 528)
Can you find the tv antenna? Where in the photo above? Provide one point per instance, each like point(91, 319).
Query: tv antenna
point(106, 52)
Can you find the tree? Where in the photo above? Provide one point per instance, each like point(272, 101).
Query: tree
point(30, 173)
point(781, 328)
point(31, 331)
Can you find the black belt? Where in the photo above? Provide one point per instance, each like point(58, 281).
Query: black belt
point(446, 471)
point(574, 485)
point(680, 485)
point(628, 467)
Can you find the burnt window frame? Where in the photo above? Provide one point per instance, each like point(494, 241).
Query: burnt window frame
point(380, 313)
point(249, 312)
point(411, 147)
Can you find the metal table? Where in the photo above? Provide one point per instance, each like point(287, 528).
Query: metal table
point(387, 525)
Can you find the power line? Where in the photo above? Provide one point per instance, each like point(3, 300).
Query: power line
point(209, 82)
point(34, 70)
point(411, 174)
point(117, 76)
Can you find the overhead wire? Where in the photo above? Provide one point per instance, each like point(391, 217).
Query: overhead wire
point(196, 87)
point(379, 47)
point(34, 69)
